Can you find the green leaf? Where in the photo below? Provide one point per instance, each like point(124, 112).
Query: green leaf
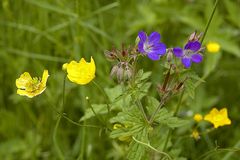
point(136, 150)
point(98, 108)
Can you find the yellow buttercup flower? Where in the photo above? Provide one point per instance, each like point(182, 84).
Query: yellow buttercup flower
point(81, 73)
point(218, 118)
point(30, 87)
point(197, 117)
point(213, 47)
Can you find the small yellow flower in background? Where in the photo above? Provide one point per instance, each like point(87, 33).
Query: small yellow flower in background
point(198, 117)
point(81, 73)
point(30, 87)
point(121, 138)
point(195, 134)
point(213, 47)
point(218, 118)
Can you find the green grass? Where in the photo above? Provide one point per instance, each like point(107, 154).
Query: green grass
point(44, 34)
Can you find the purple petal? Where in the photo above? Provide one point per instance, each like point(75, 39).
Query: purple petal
point(154, 38)
point(186, 62)
point(197, 58)
point(153, 56)
point(178, 52)
point(142, 35)
point(159, 48)
point(194, 46)
point(140, 47)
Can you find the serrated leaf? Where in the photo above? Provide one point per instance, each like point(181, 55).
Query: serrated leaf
point(136, 150)
point(174, 122)
point(190, 88)
point(98, 108)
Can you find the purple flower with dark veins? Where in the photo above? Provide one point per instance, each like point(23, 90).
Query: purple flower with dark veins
point(151, 46)
point(189, 54)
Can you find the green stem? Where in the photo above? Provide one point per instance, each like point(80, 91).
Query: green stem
point(66, 117)
point(56, 145)
point(98, 117)
point(104, 94)
point(209, 21)
point(174, 114)
point(82, 148)
point(57, 148)
point(140, 107)
point(162, 102)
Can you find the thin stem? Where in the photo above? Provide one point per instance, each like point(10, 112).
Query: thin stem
point(98, 117)
point(82, 148)
point(140, 107)
point(104, 94)
point(58, 150)
point(151, 147)
point(162, 102)
point(67, 118)
point(174, 114)
point(209, 21)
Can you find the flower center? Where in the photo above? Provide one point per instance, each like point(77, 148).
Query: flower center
point(147, 47)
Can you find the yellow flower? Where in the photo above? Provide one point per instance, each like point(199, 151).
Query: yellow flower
point(213, 47)
point(122, 138)
point(218, 118)
point(195, 134)
point(30, 87)
point(80, 73)
point(197, 117)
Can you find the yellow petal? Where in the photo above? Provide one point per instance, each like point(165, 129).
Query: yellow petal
point(44, 78)
point(81, 73)
point(24, 79)
point(213, 47)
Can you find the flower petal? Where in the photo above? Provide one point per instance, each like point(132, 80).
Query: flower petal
point(186, 62)
point(154, 38)
point(159, 48)
point(194, 46)
point(197, 58)
point(140, 47)
point(153, 56)
point(178, 52)
point(142, 35)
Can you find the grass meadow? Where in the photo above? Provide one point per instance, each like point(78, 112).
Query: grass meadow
point(44, 34)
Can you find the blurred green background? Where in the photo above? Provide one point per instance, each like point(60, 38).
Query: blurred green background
point(43, 34)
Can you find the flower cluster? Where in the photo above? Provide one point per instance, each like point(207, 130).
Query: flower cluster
point(154, 49)
point(216, 117)
point(81, 73)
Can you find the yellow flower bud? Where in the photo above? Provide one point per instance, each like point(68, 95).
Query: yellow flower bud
point(213, 47)
point(195, 134)
point(198, 117)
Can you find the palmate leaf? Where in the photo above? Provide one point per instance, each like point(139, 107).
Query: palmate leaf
point(190, 78)
point(136, 150)
point(164, 116)
point(133, 126)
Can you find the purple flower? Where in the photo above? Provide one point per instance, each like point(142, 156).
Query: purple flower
point(151, 46)
point(189, 54)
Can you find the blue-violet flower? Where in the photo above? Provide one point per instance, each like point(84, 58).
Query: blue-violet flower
point(151, 46)
point(189, 54)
